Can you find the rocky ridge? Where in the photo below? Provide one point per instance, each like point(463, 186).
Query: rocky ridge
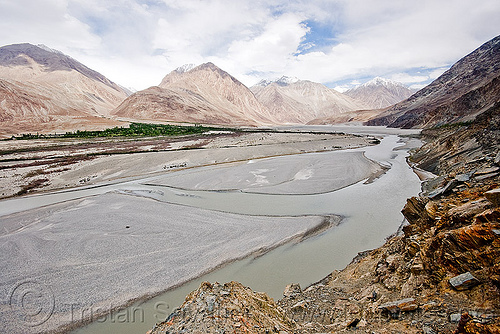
point(468, 88)
point(440, 274)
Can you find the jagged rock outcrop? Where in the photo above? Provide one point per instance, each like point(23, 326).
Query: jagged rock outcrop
point(470, 87)
point(203, 94)
point(228, 308)
point(43, 90)
point(467, 151)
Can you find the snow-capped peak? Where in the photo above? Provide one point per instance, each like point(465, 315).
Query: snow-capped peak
point(285, 81)
point(46, 48)
point(185, 68)
point(264, 83)
point(378, 81)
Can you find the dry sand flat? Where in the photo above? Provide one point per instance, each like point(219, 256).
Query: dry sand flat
point(214, 149)
point(302, 174)
point(219, 151)
point(83, 252)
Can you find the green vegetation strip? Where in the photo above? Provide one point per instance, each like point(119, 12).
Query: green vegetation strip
point(134, 130)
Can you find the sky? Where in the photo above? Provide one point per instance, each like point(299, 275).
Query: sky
point(340, 43)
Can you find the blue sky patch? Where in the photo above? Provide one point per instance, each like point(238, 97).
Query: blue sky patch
point(320, 37)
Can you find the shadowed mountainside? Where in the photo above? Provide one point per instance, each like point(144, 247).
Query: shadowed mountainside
point(467, 89)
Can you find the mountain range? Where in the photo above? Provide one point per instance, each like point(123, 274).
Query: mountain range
point(44, 90)
point(294, 101)
point(379, 93)
point(207, 94)
point(201, 94)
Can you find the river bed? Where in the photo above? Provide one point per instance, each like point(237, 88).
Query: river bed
point(371, 212)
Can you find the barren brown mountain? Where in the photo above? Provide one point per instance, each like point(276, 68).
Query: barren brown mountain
point(379, 93)
point(301, 101)
point(204, 94)
point(44, 90)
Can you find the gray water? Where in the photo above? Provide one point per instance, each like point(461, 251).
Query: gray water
point(371, 211)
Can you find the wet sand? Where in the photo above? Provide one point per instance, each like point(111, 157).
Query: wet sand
point(106, 250)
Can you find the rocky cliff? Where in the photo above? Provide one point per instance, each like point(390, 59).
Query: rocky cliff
point(441, 274)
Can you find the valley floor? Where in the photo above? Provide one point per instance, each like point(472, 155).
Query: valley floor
point(34, 165)
point(115, 242)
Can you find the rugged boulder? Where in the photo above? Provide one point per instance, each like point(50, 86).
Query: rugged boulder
point(228, 308)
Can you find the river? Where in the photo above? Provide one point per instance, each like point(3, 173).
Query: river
point(371, 213)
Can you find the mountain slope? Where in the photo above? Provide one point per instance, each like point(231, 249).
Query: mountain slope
point(467, 89)
point(299, 101)
point(43, 89)
point(379, 93)
point(27, 108)
point(203, 94)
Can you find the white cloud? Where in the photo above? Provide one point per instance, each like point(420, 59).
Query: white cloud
point(437, 72)
point(384, 37)
point(137, 42)
point(273, 48)
point(43, 22)
point(408, 78)
point(418, 86)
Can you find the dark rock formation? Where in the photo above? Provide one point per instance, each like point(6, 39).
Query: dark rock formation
point(467, 89)
point(464, 281)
